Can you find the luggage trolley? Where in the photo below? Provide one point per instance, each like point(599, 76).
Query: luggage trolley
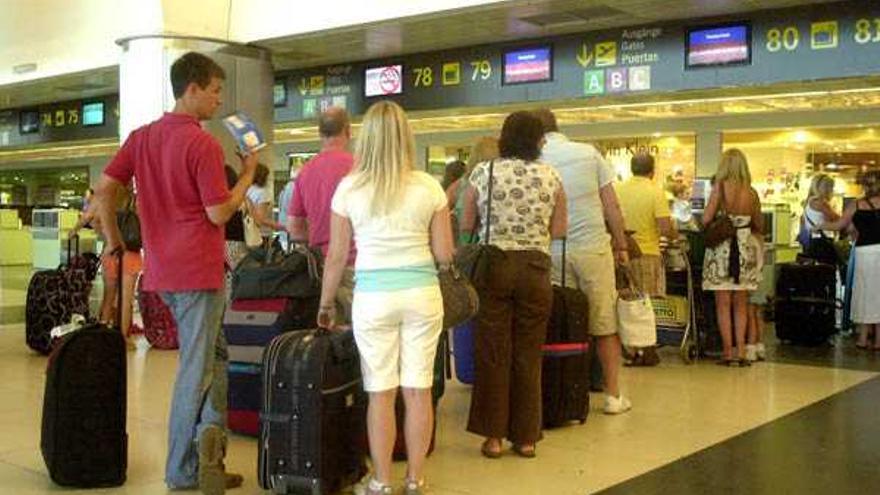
point(676, 314)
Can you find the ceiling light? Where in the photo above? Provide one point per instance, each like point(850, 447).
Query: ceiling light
point(24, 68)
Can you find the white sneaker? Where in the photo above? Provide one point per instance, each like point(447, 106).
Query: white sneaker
point(616, 405)
point(372, 487)
point(761, 351)
point(752, 352)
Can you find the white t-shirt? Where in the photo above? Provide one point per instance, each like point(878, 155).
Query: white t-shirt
point(583, 171)
point(401, 238)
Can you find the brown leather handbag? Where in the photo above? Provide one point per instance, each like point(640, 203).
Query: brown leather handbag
point(721, 227)
point(460, 300)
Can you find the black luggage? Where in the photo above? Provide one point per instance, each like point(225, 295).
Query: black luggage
point(84, 441)
point(438, 388)
point(271, 272)
point(565, 373)
point(805, 303)
point(53, 296)
point(314, 414)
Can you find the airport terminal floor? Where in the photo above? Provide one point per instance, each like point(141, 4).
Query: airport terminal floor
point(805, 421)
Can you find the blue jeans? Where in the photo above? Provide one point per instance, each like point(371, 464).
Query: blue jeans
point(200, 387)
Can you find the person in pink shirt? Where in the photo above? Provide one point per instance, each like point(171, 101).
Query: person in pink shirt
point(184, 202)
point(309, 211)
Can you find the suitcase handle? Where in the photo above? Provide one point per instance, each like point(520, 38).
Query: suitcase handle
point(76, 246)
point(120, 254)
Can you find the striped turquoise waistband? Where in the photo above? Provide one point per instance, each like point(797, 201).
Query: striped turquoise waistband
point(399, 278)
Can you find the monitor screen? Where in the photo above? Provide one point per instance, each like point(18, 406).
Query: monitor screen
point(720, 45)
point(700, 192)
point(29, 121)
point(279, 94)
point(383, 81)
point(527, 66)
point(93, 113)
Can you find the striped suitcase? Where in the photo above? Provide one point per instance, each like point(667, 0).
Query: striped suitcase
point(244, 397)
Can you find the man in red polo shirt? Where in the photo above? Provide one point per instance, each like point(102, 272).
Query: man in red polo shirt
point(309, 210)
point(183, 202)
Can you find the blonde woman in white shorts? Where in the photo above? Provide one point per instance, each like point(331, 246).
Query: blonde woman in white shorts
point(400, 222)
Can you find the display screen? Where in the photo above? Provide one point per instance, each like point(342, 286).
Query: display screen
point(93, 114)
point(279, 94)
point(383, 81)
point(527, 66)
point(722, 45)
point(29, 121)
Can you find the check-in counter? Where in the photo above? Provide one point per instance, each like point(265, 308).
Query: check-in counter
point(15, 240)
point(50, 229)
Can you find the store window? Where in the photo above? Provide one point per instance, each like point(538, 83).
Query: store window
point(674, 155)
point(51, 187)
point(783, 162)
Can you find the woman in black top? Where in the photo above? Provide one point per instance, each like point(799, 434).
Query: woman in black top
point(864, 215)
point(235, 245)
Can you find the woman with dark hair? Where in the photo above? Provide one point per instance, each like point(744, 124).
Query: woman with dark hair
point(528, 208)
point(864, 216)
point(454, 171)
point(132, 264)
point(259, 203)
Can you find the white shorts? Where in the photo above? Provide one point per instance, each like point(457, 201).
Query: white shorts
point(396, 334)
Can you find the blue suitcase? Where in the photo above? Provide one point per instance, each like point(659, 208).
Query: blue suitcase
point(463, 351)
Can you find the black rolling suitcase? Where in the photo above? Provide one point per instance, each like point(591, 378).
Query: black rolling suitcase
point(565, 372)
point(805, 303)
point(84, 441)
point(314, 414)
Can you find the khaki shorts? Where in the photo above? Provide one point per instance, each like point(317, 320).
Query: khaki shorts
point(592, 274)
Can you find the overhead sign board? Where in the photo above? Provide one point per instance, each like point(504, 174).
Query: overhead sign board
point(822, 41)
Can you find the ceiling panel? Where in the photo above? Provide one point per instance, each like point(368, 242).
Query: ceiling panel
point(75, 86)
point(504, 21)
point(499, 22)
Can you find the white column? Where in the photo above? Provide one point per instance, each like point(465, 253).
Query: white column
point(145, 84)
point(708, 153)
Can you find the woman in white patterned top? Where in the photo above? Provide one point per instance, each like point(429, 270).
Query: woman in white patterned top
point(527, 208)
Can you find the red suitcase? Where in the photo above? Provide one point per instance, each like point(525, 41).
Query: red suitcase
point(160, 329)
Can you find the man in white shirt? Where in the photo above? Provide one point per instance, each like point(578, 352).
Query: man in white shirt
point(587, 179)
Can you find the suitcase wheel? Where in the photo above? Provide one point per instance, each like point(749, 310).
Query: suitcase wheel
point(689, 353)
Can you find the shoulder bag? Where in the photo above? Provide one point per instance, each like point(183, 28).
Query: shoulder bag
point(474, 260)
point(460, 300)
point(636, 323)
point(252, 235)
point(721, 227)
point(130, 226)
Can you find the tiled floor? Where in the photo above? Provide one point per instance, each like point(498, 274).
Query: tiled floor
point(679, 410)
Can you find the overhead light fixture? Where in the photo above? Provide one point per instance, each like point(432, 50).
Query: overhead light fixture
point(24, 68)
